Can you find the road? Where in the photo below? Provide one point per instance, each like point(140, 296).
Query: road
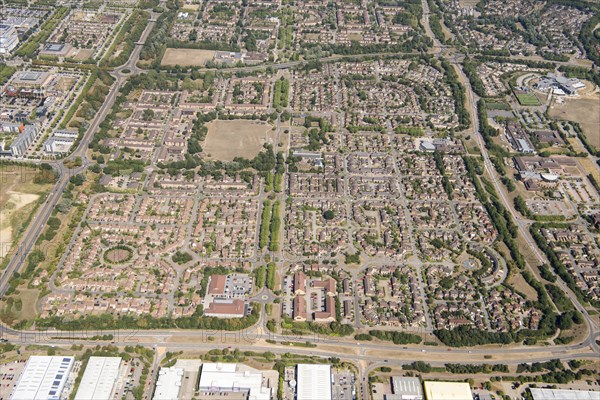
point(38, 223)
point(254, 338)
point(522, 224)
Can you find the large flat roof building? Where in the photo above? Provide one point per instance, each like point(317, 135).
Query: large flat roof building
point(447, 391)
point(405, 388)
point(43, 378)
point(563, 394)
point(58, 145)
point(99, 379)
point(9, 39)
point(31, 79)
point(222, 379)
point(168, 384)
point(313, 382)
point(559, 85)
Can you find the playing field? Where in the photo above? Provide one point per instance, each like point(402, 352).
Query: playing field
point(528, 100)
point(237, 138)
point(585, 111)
point(187, 57)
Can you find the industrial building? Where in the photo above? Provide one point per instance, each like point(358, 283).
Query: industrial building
point(405, 388)
point(313, 382)
point(168, 384)
point(224, 380)
point(44, 378)
point(447, 391)
point(99, 379)
point(9, 39)
point(563, 394)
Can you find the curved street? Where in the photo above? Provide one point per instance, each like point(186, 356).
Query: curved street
point(373, 355)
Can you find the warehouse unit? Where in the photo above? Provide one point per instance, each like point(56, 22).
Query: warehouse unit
point(226, 380)
point(448, 391)
point(563, 394)
point(168, 384)
point(405, 388)
point(314, 382)
point(99, 379)
point(43, 378)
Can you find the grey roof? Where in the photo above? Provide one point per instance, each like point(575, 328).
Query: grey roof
point(562, 394)
point(407, 385)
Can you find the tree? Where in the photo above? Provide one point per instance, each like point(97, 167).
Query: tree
point(77, 180)
point(148, 114)
point(329, 215)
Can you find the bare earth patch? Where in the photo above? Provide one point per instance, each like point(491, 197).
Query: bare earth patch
point(187, 57)
point(236, 138)
point(15, 201)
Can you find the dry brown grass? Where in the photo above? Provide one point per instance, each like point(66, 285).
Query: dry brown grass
point(187, 57)
point(18, 197)
point(585, 111)
point(236, 138)
point(83, 54)
point(520, 285)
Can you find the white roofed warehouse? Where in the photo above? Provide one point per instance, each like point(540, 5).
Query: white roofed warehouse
point(313, 382)
point(43, 378)
point(168, 384)
point(563, 394)
point(226, 380)
point(99, 379)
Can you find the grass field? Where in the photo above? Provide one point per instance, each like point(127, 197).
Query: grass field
point(585, 111)
point(528, 100)
point(519, 283)
point(187, 57)
point(84, 54)
point(497, 106)
point(236, 138)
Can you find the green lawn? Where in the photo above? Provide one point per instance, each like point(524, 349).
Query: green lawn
point(497, 106)
point(528, 100)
